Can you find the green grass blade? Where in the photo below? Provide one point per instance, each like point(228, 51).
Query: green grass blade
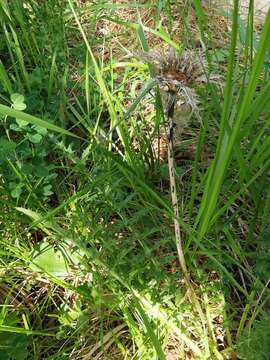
point(226, 140)
point(4, 79)
point(18, 330)
point(103, 87)
point(7, 111)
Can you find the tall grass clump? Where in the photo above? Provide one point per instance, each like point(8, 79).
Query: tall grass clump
point(89, 266)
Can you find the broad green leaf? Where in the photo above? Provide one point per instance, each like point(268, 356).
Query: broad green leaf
point(15, 127)
point(35, 139)
point(48, 259)
point(18, 101)
point(19, 106)
point(41, 130)
point(21, 123)
point(17, 98)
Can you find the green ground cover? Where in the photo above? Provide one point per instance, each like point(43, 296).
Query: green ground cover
point(89, 267)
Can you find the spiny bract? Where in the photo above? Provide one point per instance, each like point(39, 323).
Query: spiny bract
point(177, 73)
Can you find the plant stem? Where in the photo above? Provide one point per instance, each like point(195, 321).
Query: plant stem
point(177, 230)
point(171, 166)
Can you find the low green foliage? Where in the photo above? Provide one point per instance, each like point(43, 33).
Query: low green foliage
point(14, 346)
point(255, 343)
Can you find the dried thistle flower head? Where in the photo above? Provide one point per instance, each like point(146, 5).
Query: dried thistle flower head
point(177, 73)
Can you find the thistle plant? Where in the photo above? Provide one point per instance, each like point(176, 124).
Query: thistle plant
point(176, 75)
